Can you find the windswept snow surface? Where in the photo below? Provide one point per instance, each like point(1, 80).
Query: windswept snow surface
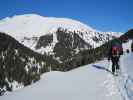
point(125, 80)
point(127, 46)
point(129, 64)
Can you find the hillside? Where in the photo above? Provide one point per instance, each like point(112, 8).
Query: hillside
point(20, 66)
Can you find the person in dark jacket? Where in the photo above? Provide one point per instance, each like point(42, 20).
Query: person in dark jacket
point(114, 55)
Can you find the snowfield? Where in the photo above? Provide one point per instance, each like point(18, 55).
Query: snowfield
point(92, 82)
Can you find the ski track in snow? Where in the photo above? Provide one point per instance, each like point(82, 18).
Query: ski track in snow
point(126, 78)
point(124, 82)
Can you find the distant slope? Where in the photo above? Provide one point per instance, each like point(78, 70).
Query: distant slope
point(30, 25)
point(127, 35)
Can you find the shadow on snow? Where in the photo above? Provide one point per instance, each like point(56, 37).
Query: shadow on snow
point(101, 68)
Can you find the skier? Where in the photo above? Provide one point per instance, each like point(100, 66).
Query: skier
point(115, 51)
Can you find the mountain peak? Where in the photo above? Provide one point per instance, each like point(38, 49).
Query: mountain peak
point(35, 25)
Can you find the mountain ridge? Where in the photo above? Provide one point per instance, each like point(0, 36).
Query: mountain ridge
point(28, 29)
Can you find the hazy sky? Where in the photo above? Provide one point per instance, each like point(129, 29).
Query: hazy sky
point(103, 15)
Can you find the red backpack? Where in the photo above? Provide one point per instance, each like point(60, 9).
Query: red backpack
point(116, 50)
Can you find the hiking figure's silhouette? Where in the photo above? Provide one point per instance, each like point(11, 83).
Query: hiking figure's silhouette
point(115, 51)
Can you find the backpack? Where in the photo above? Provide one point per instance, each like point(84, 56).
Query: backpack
point(115, 50)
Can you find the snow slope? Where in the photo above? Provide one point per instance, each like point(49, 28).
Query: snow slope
point(80, 84)
point(29, 25)
point(93, 81)
point(127, 46)
point(126, 79)
point(129, 64)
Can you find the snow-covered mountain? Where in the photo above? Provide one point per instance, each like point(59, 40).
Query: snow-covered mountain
point(29, 28)
point(29, 25)
point(27, 40)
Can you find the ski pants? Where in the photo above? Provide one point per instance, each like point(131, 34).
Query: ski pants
point(115, 63)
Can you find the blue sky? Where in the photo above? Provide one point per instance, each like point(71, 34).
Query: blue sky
point(103, 15)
